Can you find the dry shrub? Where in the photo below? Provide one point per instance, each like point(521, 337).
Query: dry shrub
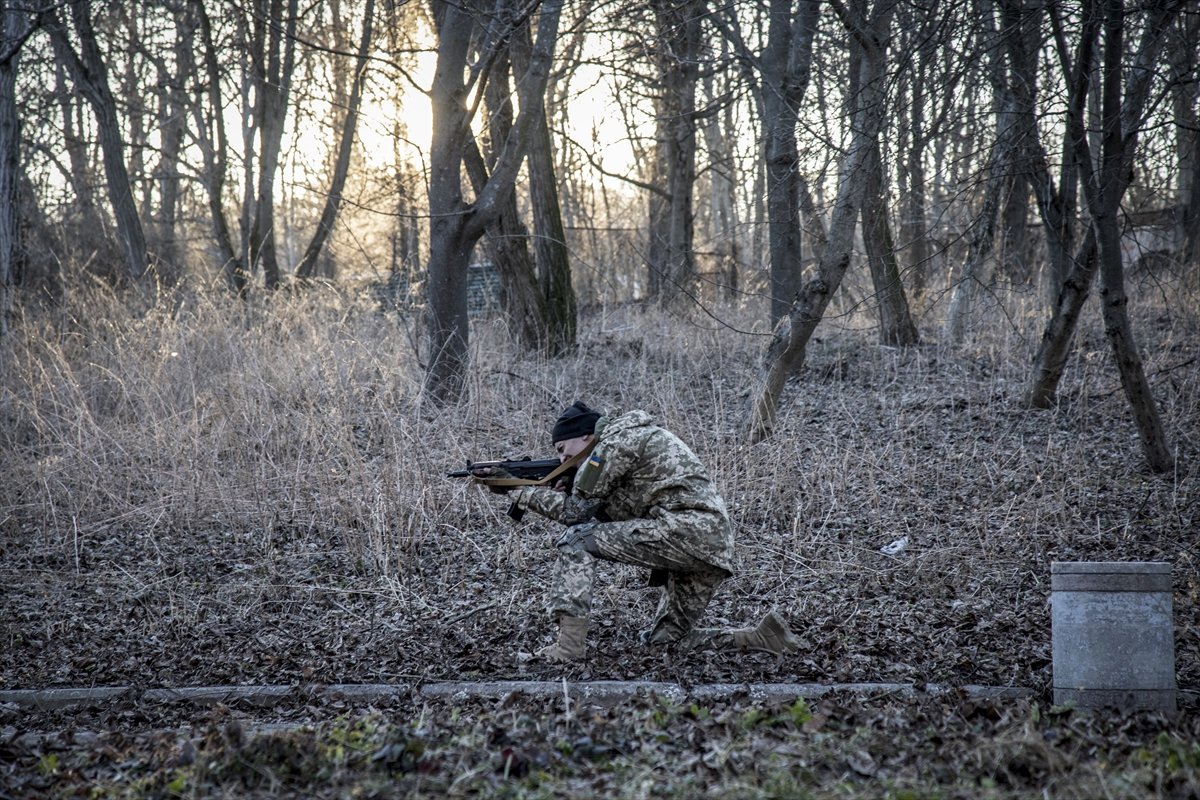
point(304, 413)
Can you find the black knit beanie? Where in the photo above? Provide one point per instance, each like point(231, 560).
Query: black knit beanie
point(576, 420)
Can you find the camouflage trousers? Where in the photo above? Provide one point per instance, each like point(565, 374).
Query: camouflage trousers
point(690, 583)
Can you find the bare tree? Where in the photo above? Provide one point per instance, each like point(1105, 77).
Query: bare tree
point(780, 73)
point(15, 28)
point(896, 326)
point(1184, 55)
point(1103, 189)
point(174, 75)
point(559, 311)
point(870, 34)
point(672, 262)
point(722, 171)
point(272, 58)
point(307, 267)
point(455, 225)
point(89, 71)
point(1001, 167)
point(1051, 357)
point(507, 237)
point(213, 139)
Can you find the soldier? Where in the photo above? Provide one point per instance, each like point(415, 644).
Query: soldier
point(640, 497)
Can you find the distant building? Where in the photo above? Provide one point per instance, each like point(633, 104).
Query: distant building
point(403, 292)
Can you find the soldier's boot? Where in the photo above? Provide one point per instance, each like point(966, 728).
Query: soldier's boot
point(771, 634)
point(572, 640)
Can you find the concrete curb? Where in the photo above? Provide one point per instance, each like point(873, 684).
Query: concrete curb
point(597, 692)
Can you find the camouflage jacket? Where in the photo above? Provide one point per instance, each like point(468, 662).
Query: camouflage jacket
point(640, 472)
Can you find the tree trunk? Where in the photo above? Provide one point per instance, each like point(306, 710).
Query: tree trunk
point(553, 258)
point(1054, 208)
point(508, 237)
point(214, 147)
point(1103, 194)
point(171, 126)
point(83, 202)
point(1052, 353)
point(896, 326)
point(273, 65)
point(786, 62)
point(559, 310)
point(508, 242)
point(723, 193)
point(455, 227)
point(1000, 170)
point(786, 354)
point(90, 75)
point(913, 234)
point(784, 69)
point(983, 236)
point(678, 28)
point(307, 267)
point(13, 31)
point(1186, 100)
point(1051, 358)
point(1190, 214)
point(658, 207)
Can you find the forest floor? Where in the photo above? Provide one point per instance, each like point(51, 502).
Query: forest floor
point(291, 526)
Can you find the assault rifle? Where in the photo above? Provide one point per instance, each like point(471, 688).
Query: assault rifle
point(525, 469)
point(521, 472)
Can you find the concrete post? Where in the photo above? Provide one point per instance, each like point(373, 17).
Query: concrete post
point(1113, 634)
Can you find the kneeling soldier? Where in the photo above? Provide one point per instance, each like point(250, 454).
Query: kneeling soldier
point(641, 497)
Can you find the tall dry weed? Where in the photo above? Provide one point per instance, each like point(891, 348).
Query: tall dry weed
point(299, 422)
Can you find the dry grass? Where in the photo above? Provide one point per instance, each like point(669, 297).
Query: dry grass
point(257, 458)
point(229, 494)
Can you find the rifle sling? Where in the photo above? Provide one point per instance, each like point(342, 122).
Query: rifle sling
point(549, 480)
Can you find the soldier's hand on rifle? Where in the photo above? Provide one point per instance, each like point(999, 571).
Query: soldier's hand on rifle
point(494, 472)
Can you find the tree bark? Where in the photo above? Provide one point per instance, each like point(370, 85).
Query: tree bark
point(14, 28)
point(896, 326)
point(1051, 357)
point(507, 240)
point(783, 70)
point(786, 64)
point(786, 353)
point(455, 226)
point(171, 125)
point(307, 267)
point(983, 237)
point(273, 63)
point(214, 146)
point(913, 234)
point(1186, 99)
point(507, 237)
point(559, 318)
point(90, 74)
point(723, 190)
point(678, 28)
point(1103, 194)
point(1000, 170)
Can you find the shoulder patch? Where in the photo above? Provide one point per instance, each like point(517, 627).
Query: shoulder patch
point(589, 473)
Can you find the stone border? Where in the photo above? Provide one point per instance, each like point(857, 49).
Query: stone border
point(598, 692)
